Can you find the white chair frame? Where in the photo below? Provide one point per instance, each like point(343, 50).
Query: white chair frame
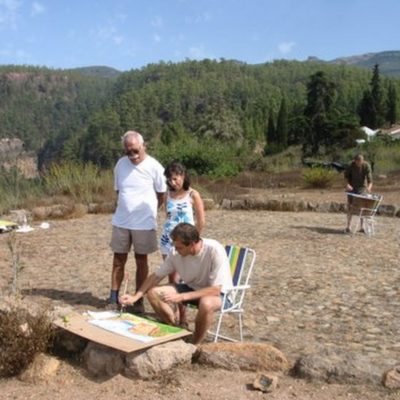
point(236, 295)
point(367, 215)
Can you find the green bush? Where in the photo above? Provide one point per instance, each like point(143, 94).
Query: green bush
point(319, 177)
point(213, 159)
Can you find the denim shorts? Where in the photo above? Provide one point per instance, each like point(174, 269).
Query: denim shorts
point(183, 288)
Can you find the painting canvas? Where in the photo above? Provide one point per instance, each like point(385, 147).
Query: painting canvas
point(132, 326)
point(124, 332)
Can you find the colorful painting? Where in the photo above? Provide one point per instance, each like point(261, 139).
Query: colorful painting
point(131, 326)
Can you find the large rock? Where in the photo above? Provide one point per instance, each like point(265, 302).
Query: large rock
point(209, 204)
point(242, 356)
point(323, 207)
point(102, 361)
point(67, 343)
point(238, 204)
point(337, 367)
point(41, 369)
point(159, 359)
point(102, 208)
point(388, 210)
point(274, 205)
point(226, 204)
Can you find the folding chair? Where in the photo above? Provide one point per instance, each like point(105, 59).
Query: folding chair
point(241, 261)
point(366, 216)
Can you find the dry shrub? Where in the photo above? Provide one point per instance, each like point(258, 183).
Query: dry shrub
point(320, 178)
point(22, 336)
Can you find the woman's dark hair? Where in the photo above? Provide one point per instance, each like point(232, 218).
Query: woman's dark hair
point(177, 168)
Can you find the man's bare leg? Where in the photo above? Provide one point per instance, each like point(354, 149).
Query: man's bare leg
point(348, 221)
point(142, 271)
point(205, 316)
point(167, 312)
point(117, 275)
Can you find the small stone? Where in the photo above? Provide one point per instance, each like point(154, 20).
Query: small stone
point(267, 383)
point(391, 378)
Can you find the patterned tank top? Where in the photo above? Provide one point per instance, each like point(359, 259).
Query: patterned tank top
point(178, 210)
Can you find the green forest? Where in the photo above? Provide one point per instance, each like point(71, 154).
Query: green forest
point(218, 117)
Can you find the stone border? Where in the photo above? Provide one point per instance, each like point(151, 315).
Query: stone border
point(78, 210)
point(387, 210)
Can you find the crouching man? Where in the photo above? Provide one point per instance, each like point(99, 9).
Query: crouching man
point(203, 266)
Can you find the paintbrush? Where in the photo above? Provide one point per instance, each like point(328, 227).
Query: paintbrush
point(124, 292)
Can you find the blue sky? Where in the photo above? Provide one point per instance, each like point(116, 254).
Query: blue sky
point(127, 34)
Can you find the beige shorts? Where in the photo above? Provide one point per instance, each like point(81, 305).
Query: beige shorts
point(142, 242)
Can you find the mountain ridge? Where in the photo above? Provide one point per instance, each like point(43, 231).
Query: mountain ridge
point(389, 61)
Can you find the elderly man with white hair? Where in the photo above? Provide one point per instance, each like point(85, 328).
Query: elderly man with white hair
point(140, 185)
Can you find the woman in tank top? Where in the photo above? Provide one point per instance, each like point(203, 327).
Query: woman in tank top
point(183, 204)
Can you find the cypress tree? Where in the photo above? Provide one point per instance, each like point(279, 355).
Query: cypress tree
point(271, 132)
point(320, 99)
point(377, 99)
point(391, 115)
point(282, 125)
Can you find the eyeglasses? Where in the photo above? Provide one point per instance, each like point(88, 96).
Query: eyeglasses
point(132, 152)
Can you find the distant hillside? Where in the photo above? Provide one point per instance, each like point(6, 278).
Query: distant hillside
point(389, 61)
point(98, 71)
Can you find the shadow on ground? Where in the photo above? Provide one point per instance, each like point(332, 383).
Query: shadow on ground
point(69, 297)
point(323, 230)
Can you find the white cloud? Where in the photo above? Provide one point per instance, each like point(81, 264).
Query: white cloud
point(37, 9)
point(157, 22)
point(156, 38)
point(286, 47)
point(9, 13)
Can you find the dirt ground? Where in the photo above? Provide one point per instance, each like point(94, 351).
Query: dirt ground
point(313, 286)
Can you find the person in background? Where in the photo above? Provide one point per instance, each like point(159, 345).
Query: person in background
point(358, 176)
point(182, 204)
point(204, 267)
point(140, 186)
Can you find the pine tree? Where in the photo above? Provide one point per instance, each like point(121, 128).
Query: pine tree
point(320, 99)
point(377, 99)
point(271, 133)
point(366, 110)
point(282, 125)
point(391, 115)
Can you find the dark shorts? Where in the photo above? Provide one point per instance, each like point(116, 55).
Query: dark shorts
point(183, 288)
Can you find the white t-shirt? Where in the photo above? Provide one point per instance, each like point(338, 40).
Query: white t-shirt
point(137, 186)
point(210, 267)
